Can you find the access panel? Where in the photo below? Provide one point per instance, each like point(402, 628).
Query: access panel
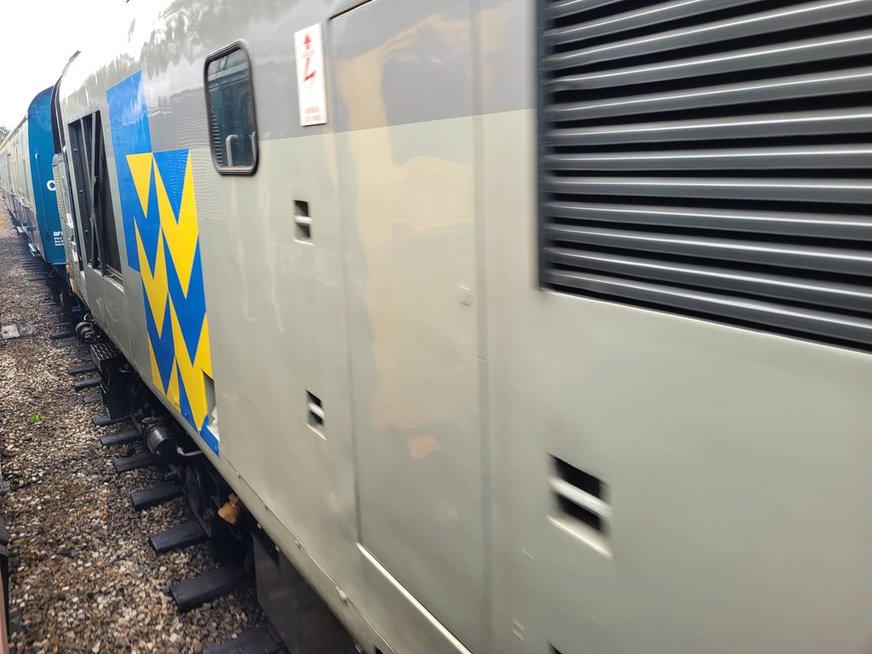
point(403, 89)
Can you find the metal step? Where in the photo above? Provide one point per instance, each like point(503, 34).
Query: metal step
point(104, 355)
point(145, 498)
point(133, 462)
point(79, 368)
point(120, 438)
point(205, 587)
point(90, 382)
point(260, 640)
point(175, 538)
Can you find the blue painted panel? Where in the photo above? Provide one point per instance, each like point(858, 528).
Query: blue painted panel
point(128, 119)
point(41, 145)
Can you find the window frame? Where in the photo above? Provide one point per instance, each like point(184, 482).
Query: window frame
point(95, 160)
point(76, 130)
point(71, 201)
point(218, 54)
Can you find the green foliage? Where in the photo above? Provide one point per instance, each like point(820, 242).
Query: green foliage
point(36, 419)
point(4, 132)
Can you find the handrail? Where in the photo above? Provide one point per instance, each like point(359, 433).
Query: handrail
point(228, 149)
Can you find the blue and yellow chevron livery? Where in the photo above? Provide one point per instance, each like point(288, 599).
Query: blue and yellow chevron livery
point(159, 210)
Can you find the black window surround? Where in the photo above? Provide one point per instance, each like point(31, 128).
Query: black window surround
point(231, 110)
point(93, 203)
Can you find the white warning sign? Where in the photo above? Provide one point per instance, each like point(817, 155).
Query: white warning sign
point(311, 85)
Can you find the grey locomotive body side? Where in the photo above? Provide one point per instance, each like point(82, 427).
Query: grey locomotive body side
point(716, 476)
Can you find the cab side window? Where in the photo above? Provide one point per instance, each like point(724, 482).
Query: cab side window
point(230, 103)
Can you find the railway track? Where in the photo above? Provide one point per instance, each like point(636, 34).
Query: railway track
point(107, 556)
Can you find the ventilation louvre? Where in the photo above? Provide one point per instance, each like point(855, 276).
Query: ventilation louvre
point(712, 159)
point(315, 412)
point(302, 221)
point(581, 504)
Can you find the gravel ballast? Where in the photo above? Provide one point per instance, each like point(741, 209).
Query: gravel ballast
point(84, 578)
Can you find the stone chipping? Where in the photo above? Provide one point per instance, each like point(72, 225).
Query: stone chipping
point(84, 578)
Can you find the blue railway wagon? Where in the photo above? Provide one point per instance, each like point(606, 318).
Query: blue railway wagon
point(28, 181)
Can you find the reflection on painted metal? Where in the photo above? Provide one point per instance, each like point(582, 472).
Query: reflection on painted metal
point(159, 211)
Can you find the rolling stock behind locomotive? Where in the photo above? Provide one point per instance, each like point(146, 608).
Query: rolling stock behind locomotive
point(28, 184)
point(517, 326)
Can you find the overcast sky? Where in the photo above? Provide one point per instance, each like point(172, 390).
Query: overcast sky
point(37, 38)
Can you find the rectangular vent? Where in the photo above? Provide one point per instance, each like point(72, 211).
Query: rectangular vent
point(710, 159)
point(315, 412)
point(302, 221)
point(581, 505)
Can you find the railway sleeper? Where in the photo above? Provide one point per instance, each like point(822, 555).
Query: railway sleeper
point(120, 438)
point(103, 421)
point(178, 537)
point(128, 463)
point(80, 368)
point(205, 587)
point(260, 640)
point(145, 498)
point(90, 382)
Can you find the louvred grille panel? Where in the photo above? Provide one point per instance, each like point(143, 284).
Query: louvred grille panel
point(711, 158)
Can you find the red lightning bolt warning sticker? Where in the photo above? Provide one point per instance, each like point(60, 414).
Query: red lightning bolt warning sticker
point(311, 86)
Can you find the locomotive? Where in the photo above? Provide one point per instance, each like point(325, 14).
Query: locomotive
point(515, 326)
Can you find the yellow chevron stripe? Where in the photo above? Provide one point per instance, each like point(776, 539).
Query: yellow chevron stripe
point(190, 372)
point(181, 237)
point(140, 168)
point(155, 372)
point(155, 283)
point(173, 387)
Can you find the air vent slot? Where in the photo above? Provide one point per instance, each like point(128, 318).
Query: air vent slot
point(315, 412)
point(580, 505)
point(302, 221)
point(710, 159)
